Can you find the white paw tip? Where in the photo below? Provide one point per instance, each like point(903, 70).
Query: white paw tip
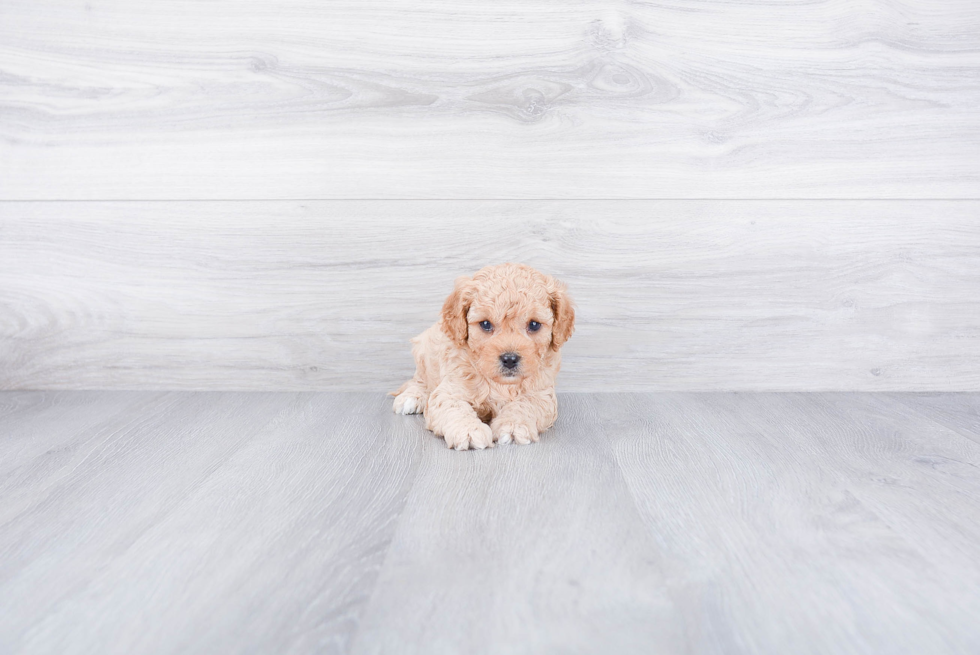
point(405, 404)
point(515, 433)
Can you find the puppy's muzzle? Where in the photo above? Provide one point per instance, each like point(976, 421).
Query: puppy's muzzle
point(510, 361)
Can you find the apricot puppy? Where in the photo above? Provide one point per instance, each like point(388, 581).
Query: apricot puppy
point(485, 373)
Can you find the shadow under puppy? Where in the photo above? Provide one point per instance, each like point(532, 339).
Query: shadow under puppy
point(492, 358)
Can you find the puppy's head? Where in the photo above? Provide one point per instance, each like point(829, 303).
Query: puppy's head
point(508, 317)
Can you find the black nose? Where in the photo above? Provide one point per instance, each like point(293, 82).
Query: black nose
point(510, 360)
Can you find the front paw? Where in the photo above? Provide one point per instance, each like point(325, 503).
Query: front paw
point(475, 435)
point(408, 402)
point(507, 431)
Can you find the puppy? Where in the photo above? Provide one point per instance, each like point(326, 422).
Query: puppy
point(485, 373)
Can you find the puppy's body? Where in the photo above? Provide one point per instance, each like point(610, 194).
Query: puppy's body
point(492, 358)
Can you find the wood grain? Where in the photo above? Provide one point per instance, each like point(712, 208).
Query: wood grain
point(50, 423)
point(644, 522)
point(960, 412)
point(513, 99)
point(815, 505)
point(522, 550)
point(683, 295)
point(257, 500)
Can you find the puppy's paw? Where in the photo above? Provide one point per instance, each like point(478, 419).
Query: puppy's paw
point(408, 402)
point(475, 435)
point(520, 433)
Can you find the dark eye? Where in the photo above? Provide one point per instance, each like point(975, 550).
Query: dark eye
point(533, 326)
point(486, 325)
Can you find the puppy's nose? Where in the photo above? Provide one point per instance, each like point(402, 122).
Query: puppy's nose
point(510, 360)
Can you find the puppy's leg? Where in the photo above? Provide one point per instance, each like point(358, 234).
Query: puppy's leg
point(454, 419)
point(411, 398)
point(523, 419)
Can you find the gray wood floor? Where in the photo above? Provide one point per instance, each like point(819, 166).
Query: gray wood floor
point(179, 522)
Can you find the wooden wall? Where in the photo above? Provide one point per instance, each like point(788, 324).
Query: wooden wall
point(712, 294)
point(264, 195)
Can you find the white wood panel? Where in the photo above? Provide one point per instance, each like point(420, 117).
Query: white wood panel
point(690, 295)
point(470, 99)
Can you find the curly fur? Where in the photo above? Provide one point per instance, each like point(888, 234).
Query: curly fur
point(467, 395)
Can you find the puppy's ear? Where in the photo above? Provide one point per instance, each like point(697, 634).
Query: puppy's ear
point(564, 315)
point(454, 311)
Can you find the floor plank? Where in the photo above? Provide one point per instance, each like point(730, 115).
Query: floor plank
point(958, 411)
point(35, 423)
point(511, 99)
point(766, 501)
point(522, 550)
point(261, 501)
point(321, 522)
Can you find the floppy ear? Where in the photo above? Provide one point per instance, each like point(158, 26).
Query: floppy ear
point(564, 315)
point(454, 311)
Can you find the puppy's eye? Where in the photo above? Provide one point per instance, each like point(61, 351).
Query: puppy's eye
point(486, 325)
point(533, 326)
